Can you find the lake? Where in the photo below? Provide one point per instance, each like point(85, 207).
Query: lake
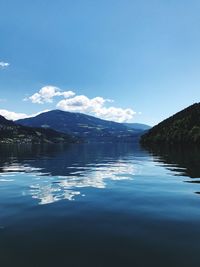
point(99, 205)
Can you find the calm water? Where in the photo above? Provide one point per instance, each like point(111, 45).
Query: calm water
point(99, 205)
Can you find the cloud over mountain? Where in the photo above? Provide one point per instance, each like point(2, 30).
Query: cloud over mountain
point(97, 106)
point(47, 93)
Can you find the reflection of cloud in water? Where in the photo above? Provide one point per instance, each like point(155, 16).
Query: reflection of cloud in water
point(51, 193)
point(48, 189)
point(95, 177)
point(14, 167)
point(6, 180)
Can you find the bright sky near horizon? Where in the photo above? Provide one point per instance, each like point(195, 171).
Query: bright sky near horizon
point(120, 60)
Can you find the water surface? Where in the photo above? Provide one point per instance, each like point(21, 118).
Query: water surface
point(99, 205)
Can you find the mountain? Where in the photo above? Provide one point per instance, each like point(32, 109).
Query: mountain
point(10, 133)
point(83, 125)
point(181, 128)
point(5, 122)
point(137, 126)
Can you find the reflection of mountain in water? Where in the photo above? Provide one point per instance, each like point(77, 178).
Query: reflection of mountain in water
point(59, 172)
point(183, 160)
point(52, 173)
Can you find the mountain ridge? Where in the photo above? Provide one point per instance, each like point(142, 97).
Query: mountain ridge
point(82, 125)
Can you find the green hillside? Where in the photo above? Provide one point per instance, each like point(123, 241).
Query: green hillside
point(181, 128)
point(11, 133)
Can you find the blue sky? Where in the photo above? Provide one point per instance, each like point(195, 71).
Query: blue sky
point(144, 55)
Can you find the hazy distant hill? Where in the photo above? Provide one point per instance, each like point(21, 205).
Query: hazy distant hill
point(10, 132)
point(138, 126)
point(181, 128)
point(86, 126)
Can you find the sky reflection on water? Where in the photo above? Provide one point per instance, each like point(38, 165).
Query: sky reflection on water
point(48, 188)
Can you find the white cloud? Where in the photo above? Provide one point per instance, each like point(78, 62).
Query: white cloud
point(96, 106)
point(81, 103)
point(47, 93)
point(115, 114)
point(3, 65)
point(10, 115)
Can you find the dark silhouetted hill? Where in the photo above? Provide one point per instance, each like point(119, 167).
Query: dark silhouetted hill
point(181, 128)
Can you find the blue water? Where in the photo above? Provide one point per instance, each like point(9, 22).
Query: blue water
point(99, 205)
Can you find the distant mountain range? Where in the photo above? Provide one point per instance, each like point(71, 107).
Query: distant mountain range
point(138, 126)
point(84, 126)
point(59, 126)
point(11, 132)
point(181, 128)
